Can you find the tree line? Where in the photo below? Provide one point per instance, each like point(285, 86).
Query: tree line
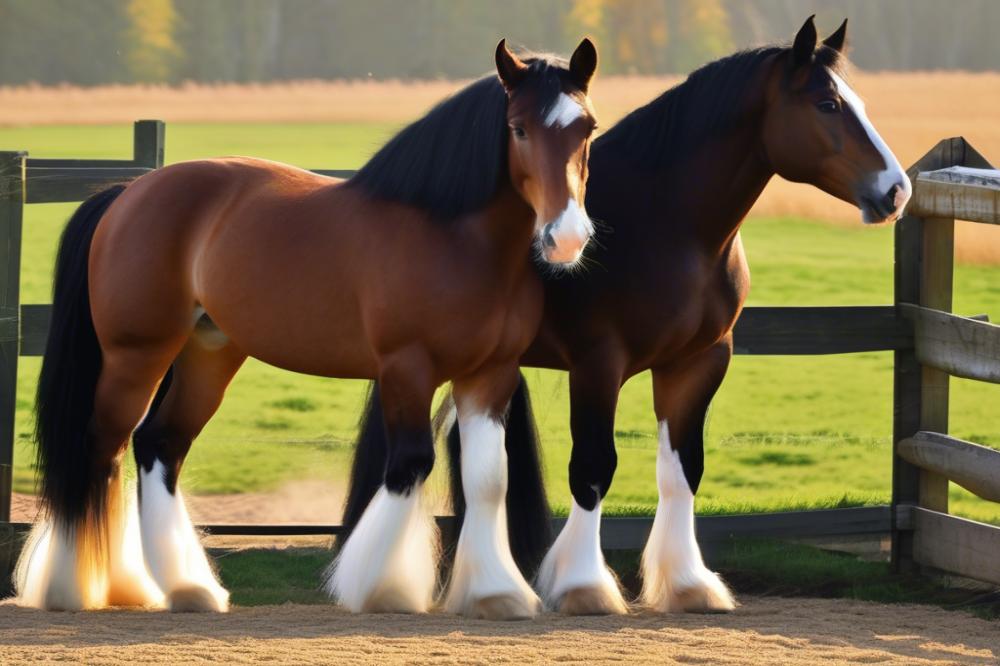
point(89, 42)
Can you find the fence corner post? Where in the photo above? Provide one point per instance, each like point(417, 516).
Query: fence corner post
point(148, 143)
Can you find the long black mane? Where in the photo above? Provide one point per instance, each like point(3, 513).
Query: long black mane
point(453, 161)
point(710, 100)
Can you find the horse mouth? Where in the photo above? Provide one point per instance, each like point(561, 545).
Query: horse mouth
point(874, 211)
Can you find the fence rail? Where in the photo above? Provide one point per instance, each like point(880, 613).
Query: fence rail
point(930, 344)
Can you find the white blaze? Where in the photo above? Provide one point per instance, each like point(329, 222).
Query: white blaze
point(563, 112)
point(893, 173)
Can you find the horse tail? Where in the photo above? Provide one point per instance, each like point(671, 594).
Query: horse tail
point(529, 518)
point(368, 468)
point(74, 491)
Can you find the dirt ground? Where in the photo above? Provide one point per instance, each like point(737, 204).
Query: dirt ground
point(301, 502)
point(762, 631)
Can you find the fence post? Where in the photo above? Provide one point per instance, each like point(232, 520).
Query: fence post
point(11, 211)
point(12, 166)
point(924, 274)
point(147, 143)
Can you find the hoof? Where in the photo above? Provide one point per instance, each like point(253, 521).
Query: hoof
point(393, 601)
point(503, 607)
point(593, 601)
point(195, 599)
point(703, 599)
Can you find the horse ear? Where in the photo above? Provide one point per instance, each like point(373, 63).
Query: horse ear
point(510, 69)
point(805, 42)
point(837, 39)
point(583, 64)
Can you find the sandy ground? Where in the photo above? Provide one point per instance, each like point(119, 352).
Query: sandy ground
point(302, 502)
point(763, 631)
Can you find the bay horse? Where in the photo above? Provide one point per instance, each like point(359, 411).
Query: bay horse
point(416, 271)
point(665, 280)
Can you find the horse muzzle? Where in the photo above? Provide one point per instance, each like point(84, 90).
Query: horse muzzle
point(564, 239)
point(879, 205)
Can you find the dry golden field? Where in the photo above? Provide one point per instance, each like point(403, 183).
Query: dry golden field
point(912, 110)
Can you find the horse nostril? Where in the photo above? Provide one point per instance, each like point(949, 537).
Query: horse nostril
point(893, 196)
point(548, 239)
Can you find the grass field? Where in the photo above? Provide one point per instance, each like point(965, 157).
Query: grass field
point(784, 432)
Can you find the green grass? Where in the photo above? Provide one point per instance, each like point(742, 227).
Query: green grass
point(784, 432)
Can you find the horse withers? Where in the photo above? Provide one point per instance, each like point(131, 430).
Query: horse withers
point(415, 272)
point(663, 284)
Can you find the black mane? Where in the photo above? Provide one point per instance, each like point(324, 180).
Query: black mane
point(453, 161)
point(709, 100)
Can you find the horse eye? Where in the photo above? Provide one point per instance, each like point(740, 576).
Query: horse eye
point(518, 131)
point(828, 106)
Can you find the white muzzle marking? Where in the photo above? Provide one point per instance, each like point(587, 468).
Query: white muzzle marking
point(569, 234)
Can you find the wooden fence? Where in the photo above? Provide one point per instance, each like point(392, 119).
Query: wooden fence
point(929, 343)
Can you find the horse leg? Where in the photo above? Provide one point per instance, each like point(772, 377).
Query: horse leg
point(674, 576)
point(574, 576)
point(485, 581)
point(389, 562)
point(173, 553)
point(71, 567)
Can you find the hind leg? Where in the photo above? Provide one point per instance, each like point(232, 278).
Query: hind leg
point(74, 566)
point(485, 581)
point(674, 577)
point(170, 544)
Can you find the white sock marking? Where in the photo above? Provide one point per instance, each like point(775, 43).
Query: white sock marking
point(671, 562)
point(390, 560)
point(893, 173)
point(575, 559)
point(484, 566)
point(171, 545)
point(563, 112)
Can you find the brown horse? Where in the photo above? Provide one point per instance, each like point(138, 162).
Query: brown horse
point(417, 271)
point(666, 279)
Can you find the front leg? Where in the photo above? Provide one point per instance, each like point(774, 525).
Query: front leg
point(674, 576)
point(574, 576)
point(389, 563)
point(485, 581)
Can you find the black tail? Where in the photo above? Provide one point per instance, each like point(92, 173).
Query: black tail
point(529, 519)
point(368, 470)
point(72, 487)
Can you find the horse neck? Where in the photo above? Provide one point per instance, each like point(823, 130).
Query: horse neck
point(703, 200)
point(503, 231)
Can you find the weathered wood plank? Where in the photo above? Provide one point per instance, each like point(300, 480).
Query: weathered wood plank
point(11, 212)
point(972, 466)
point(60, 163)
point(957, 192)
point(834, 330)
point(631, 533)
point(956, 545)
point(820, 330)
point(35, 320)
point(957, 345)
point(61, 185)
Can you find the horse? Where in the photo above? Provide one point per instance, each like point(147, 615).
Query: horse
point(664, 283)
point(416, 271)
